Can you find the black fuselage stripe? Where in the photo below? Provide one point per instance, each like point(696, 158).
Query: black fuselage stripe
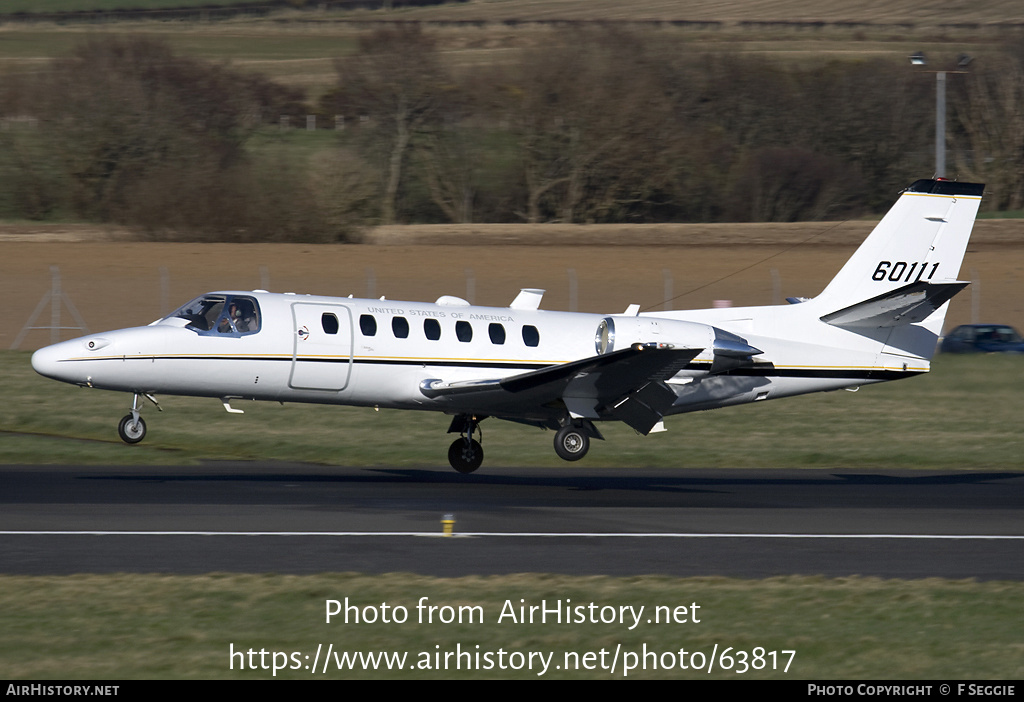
point(360, 361)
point(766, 372)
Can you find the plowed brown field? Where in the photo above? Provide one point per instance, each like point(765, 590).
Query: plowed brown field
point(115, 282)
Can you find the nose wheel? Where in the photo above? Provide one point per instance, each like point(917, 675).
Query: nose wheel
point(131, 429)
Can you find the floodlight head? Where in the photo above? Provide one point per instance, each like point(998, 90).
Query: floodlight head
point(963, 60)
point(918, 59)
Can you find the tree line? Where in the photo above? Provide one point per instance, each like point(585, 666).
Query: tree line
point(597, 125)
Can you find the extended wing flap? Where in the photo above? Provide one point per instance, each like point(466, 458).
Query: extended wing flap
point(644, 409)
point(909, 304)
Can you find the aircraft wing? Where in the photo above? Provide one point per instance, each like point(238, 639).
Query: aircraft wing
point(627, 385)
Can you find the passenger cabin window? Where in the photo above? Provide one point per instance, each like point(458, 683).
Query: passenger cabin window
point(400, 327)
point(368, 324)
point(464, 331)
point(497, 333)
point(221, 315)
point(531, 337)
point(432, 329)
point(329, 323)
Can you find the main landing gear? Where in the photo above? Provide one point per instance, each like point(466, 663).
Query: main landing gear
point(466, 454)
point(572, 441)
point(132, 427)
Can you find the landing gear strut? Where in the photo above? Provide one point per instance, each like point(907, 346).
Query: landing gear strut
point(466, 454)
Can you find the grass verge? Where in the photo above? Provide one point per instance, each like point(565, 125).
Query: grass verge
point(143, 627)
point(962, 416)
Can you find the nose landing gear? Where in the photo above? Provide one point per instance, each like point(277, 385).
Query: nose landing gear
point(132, 427)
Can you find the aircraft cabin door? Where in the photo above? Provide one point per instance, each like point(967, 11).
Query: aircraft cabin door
point(322, 351)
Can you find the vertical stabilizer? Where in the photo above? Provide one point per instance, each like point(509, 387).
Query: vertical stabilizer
point(897, 286)
point(922, 239)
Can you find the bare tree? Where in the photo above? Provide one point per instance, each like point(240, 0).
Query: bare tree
point(876, 117)
point(785, 184)
point(131, 131)
point(120, 108)
point(989, 145)
point(595, 121)
point(396, 81)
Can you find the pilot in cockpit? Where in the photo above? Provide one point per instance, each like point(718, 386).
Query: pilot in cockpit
point(244, 317)
point(226, 323)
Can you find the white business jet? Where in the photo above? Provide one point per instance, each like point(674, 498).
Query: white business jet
point(877, 320)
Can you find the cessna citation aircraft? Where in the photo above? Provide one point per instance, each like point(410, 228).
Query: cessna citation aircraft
point(877, 320)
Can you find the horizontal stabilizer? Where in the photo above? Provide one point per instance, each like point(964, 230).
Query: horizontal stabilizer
point(907, 305)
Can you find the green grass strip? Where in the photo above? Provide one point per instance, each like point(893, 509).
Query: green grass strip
point(151, 626)
point(964, 415)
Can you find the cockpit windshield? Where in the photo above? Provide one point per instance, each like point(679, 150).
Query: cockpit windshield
point(221, 315)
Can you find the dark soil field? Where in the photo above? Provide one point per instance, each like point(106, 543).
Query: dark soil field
point(115, 282)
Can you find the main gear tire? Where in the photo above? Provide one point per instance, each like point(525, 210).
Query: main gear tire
point(571, 443)
point(465, 456)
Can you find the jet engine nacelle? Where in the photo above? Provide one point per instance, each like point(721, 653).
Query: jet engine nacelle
point(615, 333)
point(723, 350)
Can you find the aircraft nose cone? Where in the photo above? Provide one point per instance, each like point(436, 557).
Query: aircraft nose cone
point(58, 361)
point(45, 361)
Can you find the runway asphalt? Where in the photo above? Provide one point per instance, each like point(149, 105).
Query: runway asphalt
point(257, 517)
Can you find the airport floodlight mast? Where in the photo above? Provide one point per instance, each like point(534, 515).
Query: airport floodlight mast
point(963, 60)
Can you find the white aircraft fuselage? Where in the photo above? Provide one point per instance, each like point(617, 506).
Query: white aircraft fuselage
point(878, 320)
